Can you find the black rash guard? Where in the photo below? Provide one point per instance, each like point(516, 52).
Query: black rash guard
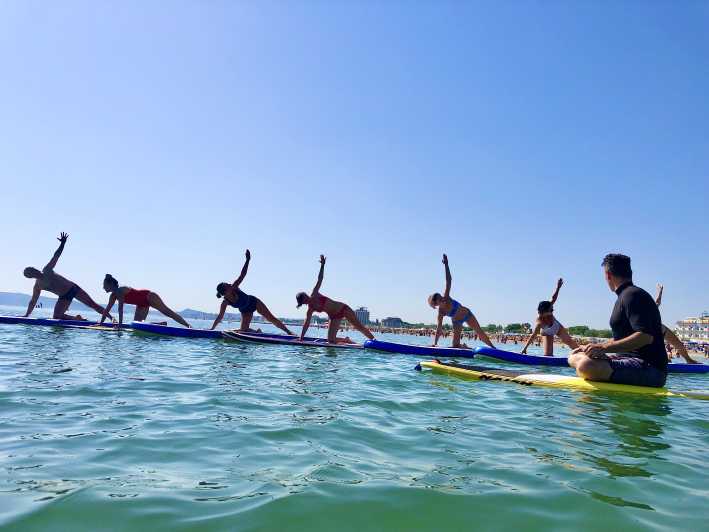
point(636, 311)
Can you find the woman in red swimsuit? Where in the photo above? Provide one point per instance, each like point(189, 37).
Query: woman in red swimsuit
point(142, 299)
point(335, 310)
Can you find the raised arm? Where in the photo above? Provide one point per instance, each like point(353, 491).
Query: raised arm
point(658, 298)
point(244, 270)
point(321, 274)
point(36, 291)
point(449, 279)
point(58, 253)
point(306, 323)
point(555, 295)
point(219, 318)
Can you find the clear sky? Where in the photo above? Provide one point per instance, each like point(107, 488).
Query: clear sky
point(525, 139)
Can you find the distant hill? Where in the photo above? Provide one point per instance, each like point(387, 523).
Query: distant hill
point(16, 299)
point(192, 314)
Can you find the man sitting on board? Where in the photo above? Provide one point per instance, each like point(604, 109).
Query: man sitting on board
point(66, 290)
point(639, 351)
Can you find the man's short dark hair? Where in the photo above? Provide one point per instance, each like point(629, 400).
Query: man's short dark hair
point(618, 265)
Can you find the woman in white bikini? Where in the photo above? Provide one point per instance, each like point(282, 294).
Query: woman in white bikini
point(549, 327)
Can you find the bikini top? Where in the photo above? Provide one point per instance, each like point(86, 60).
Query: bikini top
point(454, 308)
point(240, 298)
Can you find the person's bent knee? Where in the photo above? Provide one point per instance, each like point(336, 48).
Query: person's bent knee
point(574, 359)
point(591, 369)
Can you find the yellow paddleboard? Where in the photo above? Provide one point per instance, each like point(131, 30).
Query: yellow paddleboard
point(558, 381)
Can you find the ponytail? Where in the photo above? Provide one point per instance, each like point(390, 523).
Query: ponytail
point(111, 281)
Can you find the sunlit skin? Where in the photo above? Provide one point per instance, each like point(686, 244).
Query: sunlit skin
point(670, 336)
point(231, 296)
point(332, 308)
point(546, 319)
point(117, 293)
point(47, 279)
point(444, 304)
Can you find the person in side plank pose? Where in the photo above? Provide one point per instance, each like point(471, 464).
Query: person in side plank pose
point(459, 315)
point(66, 290)
point(669, 334)
point(549, 327)
point(247, 304)
point(142, 299)
point(335, 310)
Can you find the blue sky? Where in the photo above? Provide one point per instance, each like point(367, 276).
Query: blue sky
point(525, 139)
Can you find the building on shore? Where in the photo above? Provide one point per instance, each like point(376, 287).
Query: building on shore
point(694, 329)
point(362, 315)
point(392, 322)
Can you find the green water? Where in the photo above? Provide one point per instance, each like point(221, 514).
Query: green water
point(149, 433)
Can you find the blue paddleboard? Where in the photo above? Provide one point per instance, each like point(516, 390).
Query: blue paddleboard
point(179, 331)
point(419, 350)
point(536, 360)
point(21, 320)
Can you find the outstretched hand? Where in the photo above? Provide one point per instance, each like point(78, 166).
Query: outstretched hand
point(660, 288)
point(62, 237)
point(248, 255)
point(445, 259)
point(322, 260)
point(559, 283)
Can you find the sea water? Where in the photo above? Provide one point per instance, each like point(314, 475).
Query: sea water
point(120, 430)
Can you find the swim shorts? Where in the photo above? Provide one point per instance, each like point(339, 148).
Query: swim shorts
point(628, 369)
point(70, 294)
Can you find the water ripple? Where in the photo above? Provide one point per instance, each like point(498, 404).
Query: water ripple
point(124, 431)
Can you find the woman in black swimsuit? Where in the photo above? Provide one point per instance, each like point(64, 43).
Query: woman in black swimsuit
point(246, 303)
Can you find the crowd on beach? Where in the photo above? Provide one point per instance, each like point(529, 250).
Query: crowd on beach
point(637, 354)
point(519, 338)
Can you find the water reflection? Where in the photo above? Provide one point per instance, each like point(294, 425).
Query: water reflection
point(636, 424)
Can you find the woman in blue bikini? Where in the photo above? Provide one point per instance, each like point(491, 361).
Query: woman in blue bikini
point(246, 303)
point(459, 315)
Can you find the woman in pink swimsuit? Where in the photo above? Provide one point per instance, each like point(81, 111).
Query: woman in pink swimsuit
point(335, 310)
point(142, 299)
